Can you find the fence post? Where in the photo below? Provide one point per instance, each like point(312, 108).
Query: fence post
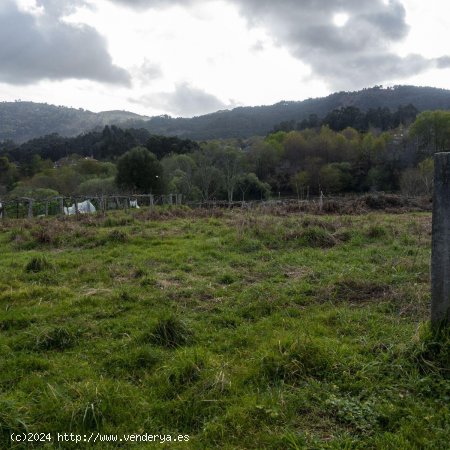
point(30, 208)
point(46, 208)
point(179, 199)
point(152, 201)
point(61, 205)
point(170, 199)
point(321, 201)
point(440, 252)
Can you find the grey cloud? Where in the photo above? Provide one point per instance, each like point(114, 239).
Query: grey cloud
point(144, 4)
point(443, 62)
point(350, 57)
point(257, 47)
point(59, 8)
point(186, 100)
point(353, 56)
point(149, 71)
point(46, 48)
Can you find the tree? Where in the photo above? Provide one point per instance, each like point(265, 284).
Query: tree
point(426, 170)
point(138, 170)
point(330, 178)
point(8, 173)
point(432, 129)
point(249, 185)
point(97, 186)
point(179, 173)
point(299, 182)
point(229, 163)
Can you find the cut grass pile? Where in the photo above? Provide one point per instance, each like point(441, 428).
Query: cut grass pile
point(241, 329)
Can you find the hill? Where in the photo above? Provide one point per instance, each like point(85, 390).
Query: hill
point(244, 122)
point(21, 121)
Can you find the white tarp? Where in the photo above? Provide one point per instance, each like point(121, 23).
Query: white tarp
point(83, 208)
point(134, 204)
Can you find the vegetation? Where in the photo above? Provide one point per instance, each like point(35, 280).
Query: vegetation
point(243, 329)
point(347, 151)
point(139, 171)
point(21, 121)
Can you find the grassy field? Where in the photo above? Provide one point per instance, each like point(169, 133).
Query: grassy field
point(241, 329)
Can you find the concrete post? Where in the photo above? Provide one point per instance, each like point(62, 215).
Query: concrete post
point(30, 208)
point(440, 252)
point(321, 201)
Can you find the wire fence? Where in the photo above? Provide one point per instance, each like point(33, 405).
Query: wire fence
point(25, 207)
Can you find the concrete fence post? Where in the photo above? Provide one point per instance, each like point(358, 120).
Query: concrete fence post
point(440, 252)
point(30, 208)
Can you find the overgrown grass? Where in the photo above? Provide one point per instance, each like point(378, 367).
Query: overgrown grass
point(244, 329)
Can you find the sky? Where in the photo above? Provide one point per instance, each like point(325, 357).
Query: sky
point(192, 57)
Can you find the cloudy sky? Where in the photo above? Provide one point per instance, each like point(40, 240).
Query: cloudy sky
point(191, 57)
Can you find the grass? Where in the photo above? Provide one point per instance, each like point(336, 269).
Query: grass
point(257, 329)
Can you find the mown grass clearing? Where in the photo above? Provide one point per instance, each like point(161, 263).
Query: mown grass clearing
point(241, 329)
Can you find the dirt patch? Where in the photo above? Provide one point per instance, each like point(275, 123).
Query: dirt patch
point(356, 292)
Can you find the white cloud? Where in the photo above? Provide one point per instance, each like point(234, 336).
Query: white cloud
point(253, 51)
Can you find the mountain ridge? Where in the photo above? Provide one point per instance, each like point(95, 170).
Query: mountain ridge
point(21, 121)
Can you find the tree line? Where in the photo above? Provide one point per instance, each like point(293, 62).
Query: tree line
point(292, 163)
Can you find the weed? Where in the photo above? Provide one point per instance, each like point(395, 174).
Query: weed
point(59, 338)
point(170, 332)
point(294, 361)
point(376, 232)
point(227, 278)
point(38, 264)
point(359, 414)
point(117, 236)
point(11, 420)
point(317, 237)
point(132, 362)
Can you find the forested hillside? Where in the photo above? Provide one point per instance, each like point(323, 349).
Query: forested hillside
point(250, 121)
point(21, 121)
point(292, 163)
